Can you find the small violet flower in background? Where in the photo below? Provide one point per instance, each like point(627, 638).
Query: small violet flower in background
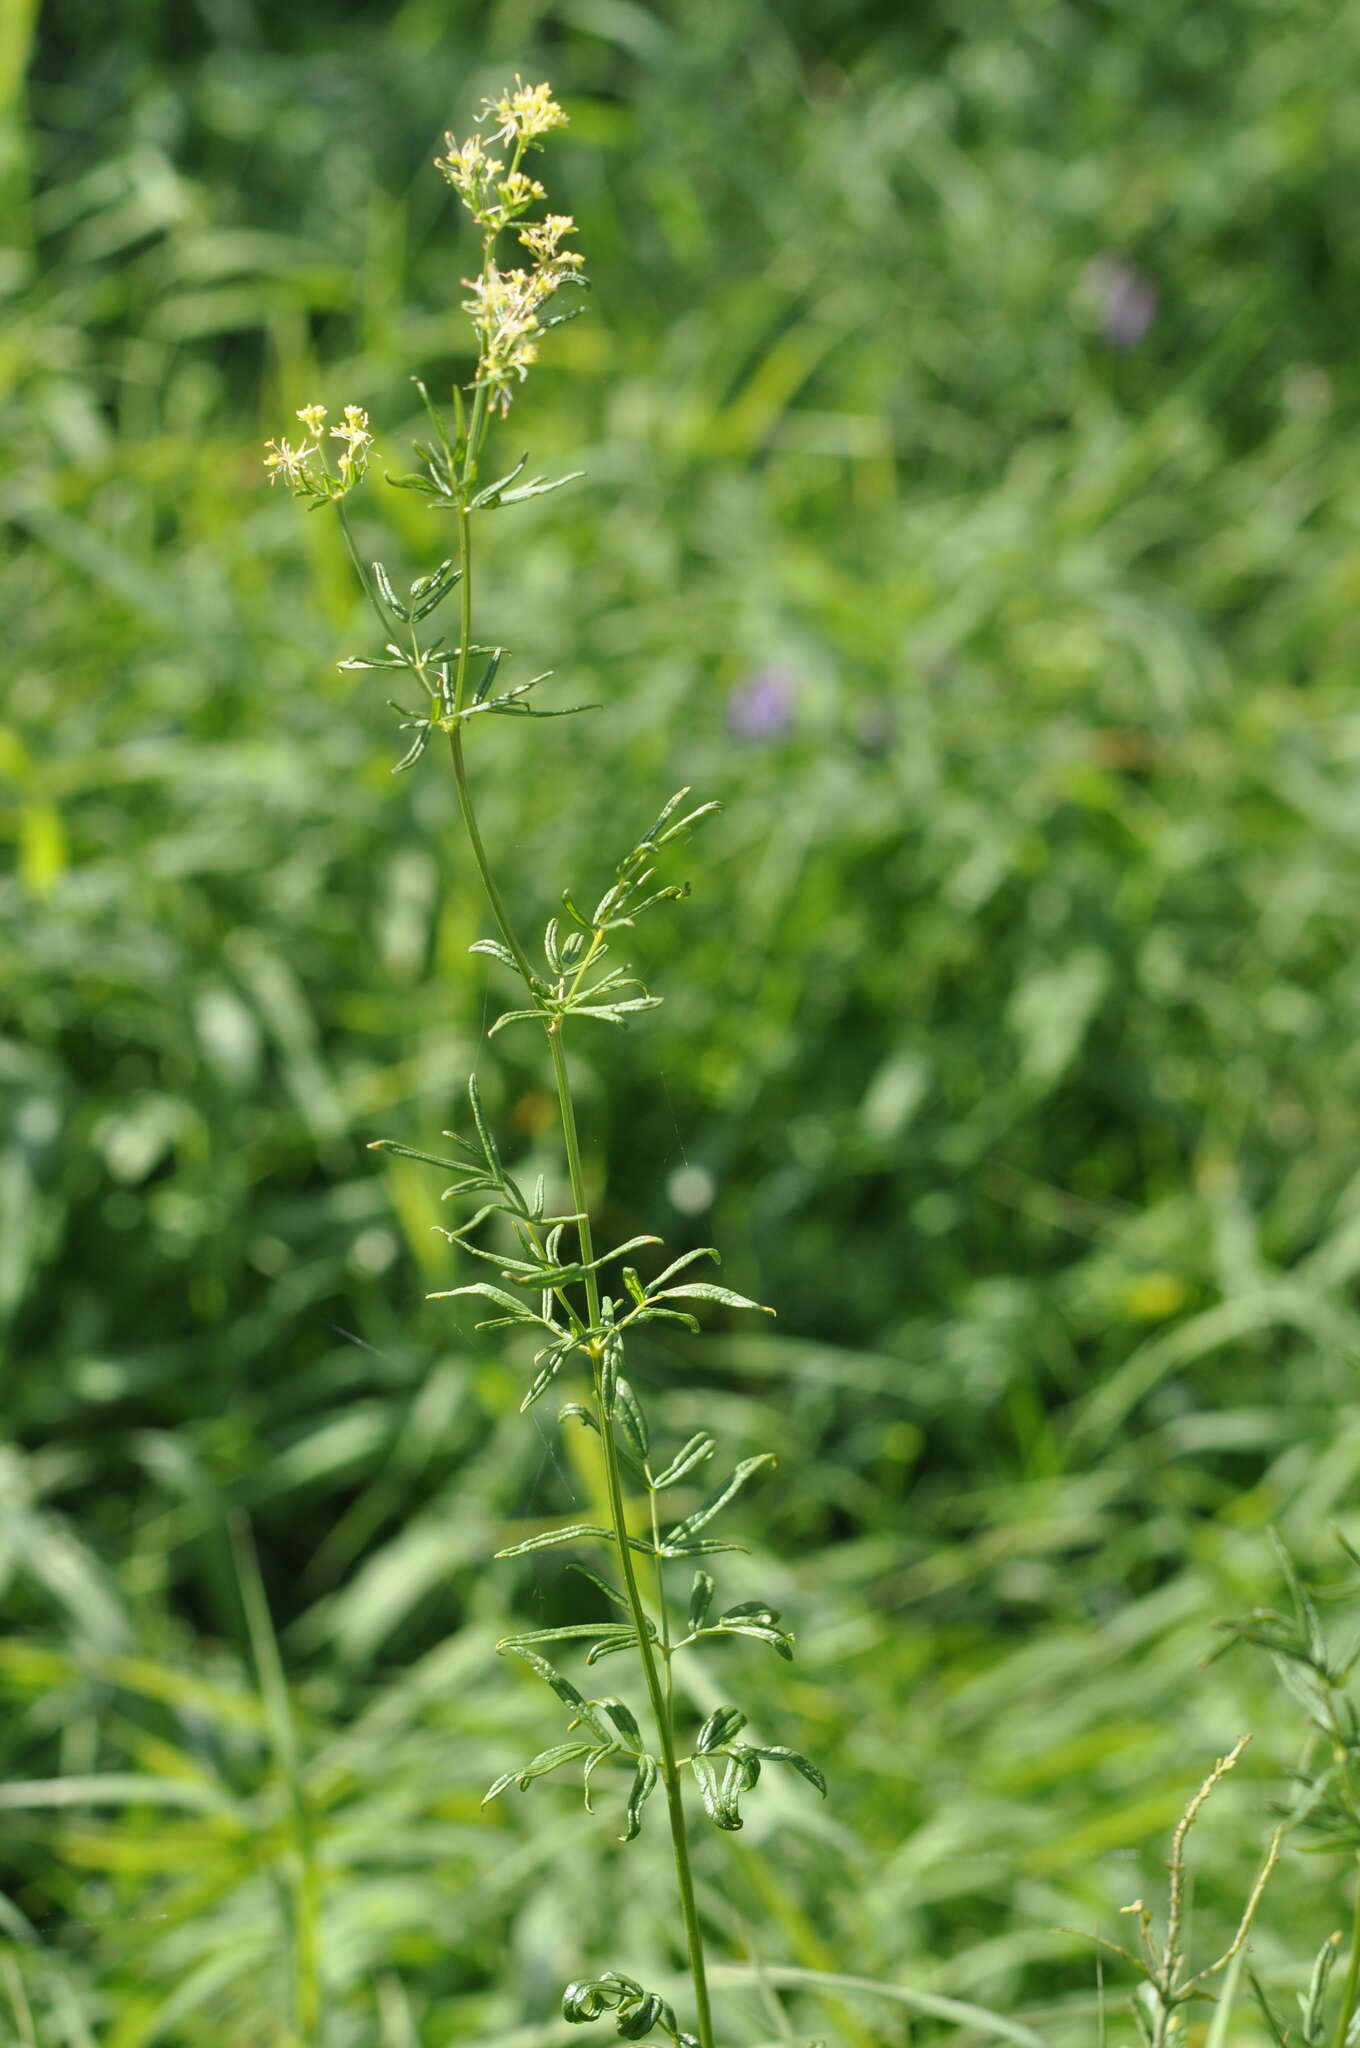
point(761, 707)
point(1125, 300)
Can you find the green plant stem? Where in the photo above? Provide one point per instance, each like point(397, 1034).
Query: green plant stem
point(657, 1693)
point(469, 815)
point(1350, 1996)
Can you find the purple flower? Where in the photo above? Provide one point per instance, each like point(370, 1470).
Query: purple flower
point(761, 707)
point(1126, 300)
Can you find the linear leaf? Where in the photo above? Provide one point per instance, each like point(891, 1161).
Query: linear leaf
point(574, 1532)
point(569, 1631)
point(720, 1727)
point(644, 1784)
point(777, 1638)
point(629, 1412)
point(411, 1152)
point(705, 1290)
point(539, 488)
point(777, 1754)
point(492, 491)
point(694, 1453)
point(703, 1251)
point(388, 594)
point(610, 1592)
point(496, 950)
point(624, 1720)
point(665, 1315)
point(682, 1531)
point(719, 1805)
point(516, 1311)
point(581, 1707)
point(546, 1760)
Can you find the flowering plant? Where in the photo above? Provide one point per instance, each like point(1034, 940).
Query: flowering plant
point(576, 1305)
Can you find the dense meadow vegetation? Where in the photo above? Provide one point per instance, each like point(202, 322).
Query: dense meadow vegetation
point(967, 399)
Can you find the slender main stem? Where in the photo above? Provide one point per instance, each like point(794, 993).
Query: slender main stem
point(658, 1692)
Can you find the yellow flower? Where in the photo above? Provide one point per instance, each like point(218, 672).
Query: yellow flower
point(353, 431)
point(284, 461)
point(524, 114)
point(470, 171)
point(304, 469)
point(542, 238)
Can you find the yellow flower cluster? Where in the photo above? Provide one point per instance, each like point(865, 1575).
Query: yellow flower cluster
point(505, 306)
point(492, 195)
point(304, 469)
point(524, 114)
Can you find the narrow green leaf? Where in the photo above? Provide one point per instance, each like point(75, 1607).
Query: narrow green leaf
point(686, 823)
point(410, 1152)
point(497, 952)
point(695, 1452)
point(777, 1754)
point(515, 1017)
point(700, 1599)
point(428, 592)
point(719, 1805)
point(624, 1720)
point(388, 594)
point(516, 1311)
point(539, 488)
point(703, 1251)
point(705, 1290)
point(603, 1585)
point(412, 480)
point(592, 1763)
point(609, 1378)
point(492, 491)
point(668, 810)
point(1278, 2033)
point(644, 1784)
point(683, 1531)
point(665, 1315)
point(636, 2025)
point(597, 1652)
point(777, 1638)
point(568, 1632)
point(615, 1013)
point(488, 1143)
point(629, 1412)
point(553, 1360)
point(572, 1532)
point(720, 1727)
point(436, 419)
point(546, 1760)
point(582, 1708)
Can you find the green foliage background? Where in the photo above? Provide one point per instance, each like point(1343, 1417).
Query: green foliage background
point(1012, 1021)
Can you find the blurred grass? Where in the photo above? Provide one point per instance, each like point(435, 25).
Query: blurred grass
point(1009, 1042)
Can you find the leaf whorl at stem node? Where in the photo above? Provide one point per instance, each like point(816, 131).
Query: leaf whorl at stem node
point(636, 2012)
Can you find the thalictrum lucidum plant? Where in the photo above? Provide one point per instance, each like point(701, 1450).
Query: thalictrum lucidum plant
point(576, 1305)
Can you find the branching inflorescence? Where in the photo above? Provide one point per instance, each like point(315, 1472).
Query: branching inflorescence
point(575, 1304)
